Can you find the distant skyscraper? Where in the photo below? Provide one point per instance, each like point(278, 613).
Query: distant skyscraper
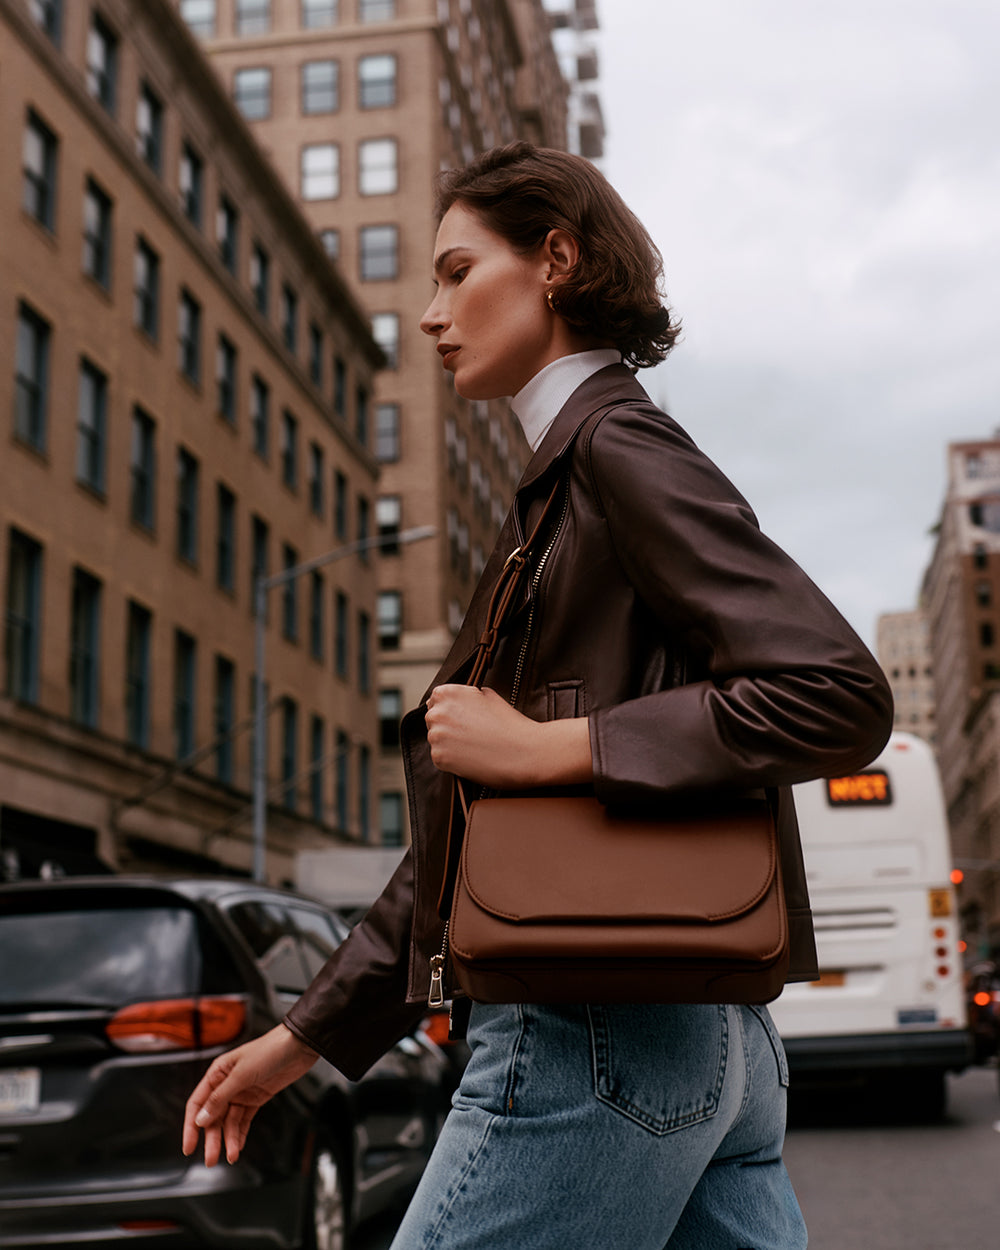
point(903, 647)
point(961, 598)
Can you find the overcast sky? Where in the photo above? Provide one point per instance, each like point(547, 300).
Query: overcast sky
point(824, 183)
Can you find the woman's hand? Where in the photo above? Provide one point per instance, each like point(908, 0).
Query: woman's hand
point(476, 734)
point(227, 1097)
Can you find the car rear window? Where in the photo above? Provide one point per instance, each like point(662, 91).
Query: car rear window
point(105, 956)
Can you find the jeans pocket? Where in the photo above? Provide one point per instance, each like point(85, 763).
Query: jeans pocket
point(764, 1016)
point(661, 1066)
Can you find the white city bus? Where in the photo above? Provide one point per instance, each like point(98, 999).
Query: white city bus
point(890, 997)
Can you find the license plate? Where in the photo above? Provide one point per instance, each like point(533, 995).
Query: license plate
point(20, 1090)
point(829, 979)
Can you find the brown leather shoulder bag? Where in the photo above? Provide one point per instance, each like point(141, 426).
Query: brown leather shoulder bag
point(558, 899)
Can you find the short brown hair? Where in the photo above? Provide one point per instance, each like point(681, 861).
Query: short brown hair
point(522, 192)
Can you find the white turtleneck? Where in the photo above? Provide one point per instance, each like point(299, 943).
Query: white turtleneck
point(538, 401)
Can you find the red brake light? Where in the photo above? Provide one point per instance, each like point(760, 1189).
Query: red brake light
point(982, 999)
point(436, 1027)
point(177, 1024)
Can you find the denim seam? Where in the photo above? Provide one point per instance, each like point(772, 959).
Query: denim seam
point(515, 1054)
point(438, 1228)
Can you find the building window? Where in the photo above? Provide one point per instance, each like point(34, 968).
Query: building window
point(139, 629)
point(320, 87)
point(185, 665)
point(31, 378)
point(341, 616)
point(289, 595)
point(102, 63)
point(391, 818)
point(315, 354)
point(330, 240)
point(317, 615)
point(340, 506)
point(320, 171)
point(389, 606)
point(289, 751)
point(390, 712)
point(91, 427)
point(225, 546)
point(986, 635)
point(187, 506)
point(339, 389)
point(24, 617)
point(364, 653)
point(260, 419)
point(192, 178)
point(364, 792)
point(289, 450)
point(364, 525)
point(385, 332)
point(376, 10)
point(984, 594)
point(260, 562)
point(361, 416)
point(377, 82)
point(189, 336)
point(378, 167)
point(38, 159)
point(97, 234)
point(227, 229)
point(388, 517)
point(387, 433)
point(142, 495)
point(316, 13)
point(379, 253)
point(260, 279)
point(253, 17)
point(225, 715)
point(980, 558)
point(317, 747)
point(342, 768)
point(146, 284)
point(48, 15)
point(225, 379)
point(149, 127)
point(317, 474)
point(84, 652)
point(200, 16)
point(289, 317)
point(252, 92)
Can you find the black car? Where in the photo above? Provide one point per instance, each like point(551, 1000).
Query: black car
point(115, 994)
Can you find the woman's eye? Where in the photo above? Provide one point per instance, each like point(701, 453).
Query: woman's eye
point(458, 275)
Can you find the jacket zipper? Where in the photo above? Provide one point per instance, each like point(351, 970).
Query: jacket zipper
point(436, 995)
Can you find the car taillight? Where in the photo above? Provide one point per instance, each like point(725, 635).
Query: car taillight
point(177, 1024)
point(437, 1026)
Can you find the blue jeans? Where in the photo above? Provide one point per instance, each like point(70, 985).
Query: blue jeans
point(618, 1128)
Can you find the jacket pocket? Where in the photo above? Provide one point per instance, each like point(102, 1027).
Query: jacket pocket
point(566, 700)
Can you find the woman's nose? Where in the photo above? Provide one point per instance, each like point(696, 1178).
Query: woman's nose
point(432, 322)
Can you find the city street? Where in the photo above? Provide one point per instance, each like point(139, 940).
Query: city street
point(871, 1182)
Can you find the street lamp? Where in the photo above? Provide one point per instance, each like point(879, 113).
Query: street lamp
point(261, 587)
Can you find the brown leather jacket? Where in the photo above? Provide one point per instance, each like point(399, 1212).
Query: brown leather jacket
point(702, 654)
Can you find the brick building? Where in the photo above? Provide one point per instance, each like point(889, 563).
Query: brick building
point(189, 402)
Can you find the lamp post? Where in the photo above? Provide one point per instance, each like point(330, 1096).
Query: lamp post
point(261, 587)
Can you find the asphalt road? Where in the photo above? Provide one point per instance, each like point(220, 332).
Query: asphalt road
point(868, 1178)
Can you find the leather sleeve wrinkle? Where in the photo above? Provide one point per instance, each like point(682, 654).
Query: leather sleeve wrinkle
point(355, 1009)
point(790, 692)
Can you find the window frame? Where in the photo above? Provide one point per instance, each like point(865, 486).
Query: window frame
point(31, 390)
point(92, 427)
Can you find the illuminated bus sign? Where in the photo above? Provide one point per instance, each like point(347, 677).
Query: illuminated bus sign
point(867, 789)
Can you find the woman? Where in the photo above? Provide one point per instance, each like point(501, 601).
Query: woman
point(673, 648)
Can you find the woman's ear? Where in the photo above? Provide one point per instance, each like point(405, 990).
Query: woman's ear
point(561, 253)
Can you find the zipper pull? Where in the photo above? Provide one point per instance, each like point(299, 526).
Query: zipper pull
point(436, 996)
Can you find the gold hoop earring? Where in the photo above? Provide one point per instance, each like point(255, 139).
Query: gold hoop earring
point(548, 299)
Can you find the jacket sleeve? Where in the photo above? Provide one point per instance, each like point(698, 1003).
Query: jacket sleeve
point(779, 688)
point(356, 1008)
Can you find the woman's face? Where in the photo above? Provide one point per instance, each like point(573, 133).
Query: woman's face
point(493, 327)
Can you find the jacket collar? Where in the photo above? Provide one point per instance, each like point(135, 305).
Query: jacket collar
point(614, 382)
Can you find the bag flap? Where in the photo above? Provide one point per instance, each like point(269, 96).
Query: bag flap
point(555, 859)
